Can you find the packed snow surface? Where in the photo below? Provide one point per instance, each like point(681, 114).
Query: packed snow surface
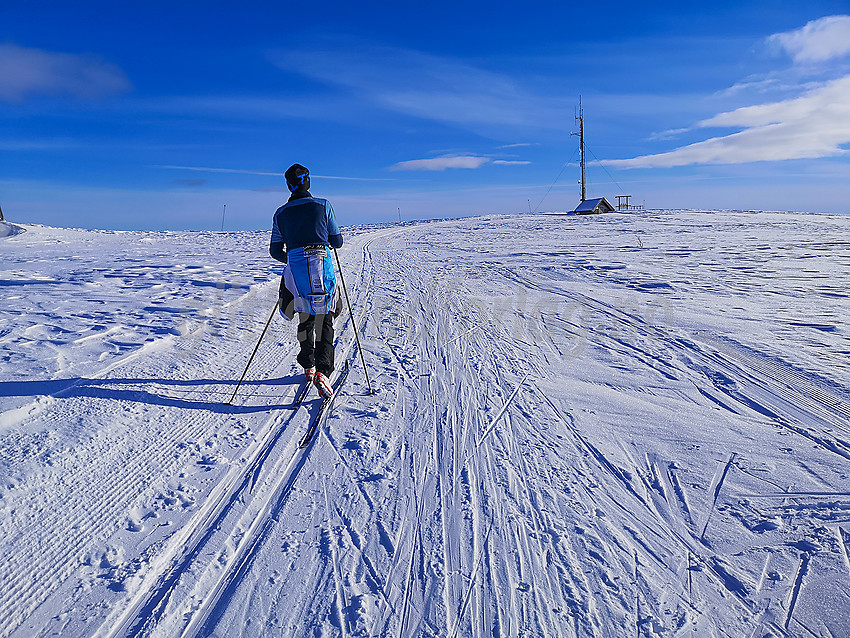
point(623, 425)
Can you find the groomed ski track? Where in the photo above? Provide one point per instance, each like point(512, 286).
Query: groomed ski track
point(547, 455)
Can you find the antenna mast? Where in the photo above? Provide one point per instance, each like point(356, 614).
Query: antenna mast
point(581, 145)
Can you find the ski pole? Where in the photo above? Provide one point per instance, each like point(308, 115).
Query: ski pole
point(257, 347)
point(353, 322)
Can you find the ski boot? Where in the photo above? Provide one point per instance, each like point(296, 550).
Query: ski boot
point(323, 385)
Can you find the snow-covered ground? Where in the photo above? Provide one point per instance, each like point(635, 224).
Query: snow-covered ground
point(624, 425)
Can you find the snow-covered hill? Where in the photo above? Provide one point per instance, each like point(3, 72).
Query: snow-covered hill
point(7, 229)
point(625, 425)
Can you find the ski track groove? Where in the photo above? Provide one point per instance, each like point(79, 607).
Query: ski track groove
point(230, 577)
point(569, 559)
point(756, 376)
point(480, 614)
point(472, 492)
point(117, 490)
point(533, 514)
point(500, 583)
point(341, 603)
point(408, 579)
point(402, 533)
point(457, 445)
point(716, 486)
point(786, 421)
point(530, 514)
point(797, 588)
point(247, 542)
point(708, 563)
point(411, 527)
point(477, 485)
point(409, 477)
point(844, 543)
point(198, 530)
point(450, 566)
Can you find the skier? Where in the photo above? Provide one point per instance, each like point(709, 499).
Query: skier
point(303, 230)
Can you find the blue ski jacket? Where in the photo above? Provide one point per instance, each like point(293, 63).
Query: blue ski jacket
point(303, 230)
point(303, 221)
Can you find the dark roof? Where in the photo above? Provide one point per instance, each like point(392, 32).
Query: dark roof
point(597, 205)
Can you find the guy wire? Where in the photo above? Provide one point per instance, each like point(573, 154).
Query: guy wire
point(563, 168)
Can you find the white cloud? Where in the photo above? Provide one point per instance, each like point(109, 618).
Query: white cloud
point(813, 123)
point(441, 163)
point(818, 41)
point(453, 161)
point(816, 124)
point(26, 73)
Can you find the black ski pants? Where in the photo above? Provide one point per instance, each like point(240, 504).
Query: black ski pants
point(316, 336)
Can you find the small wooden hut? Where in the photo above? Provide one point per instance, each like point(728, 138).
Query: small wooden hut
point(594, 207)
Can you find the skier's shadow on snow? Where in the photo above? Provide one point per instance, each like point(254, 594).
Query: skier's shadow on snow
point(190, 394)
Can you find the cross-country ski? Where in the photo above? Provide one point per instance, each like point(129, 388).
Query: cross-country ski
point(301, 393)
point(324, 407)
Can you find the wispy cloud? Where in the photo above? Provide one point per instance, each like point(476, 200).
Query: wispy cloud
point(431, 87)
point(38, 145)
point(26, 73)
point(668, 134)
point(242, 171)
point(499, 162)
point(209, 169)
point(250, 107)
point(818, 41)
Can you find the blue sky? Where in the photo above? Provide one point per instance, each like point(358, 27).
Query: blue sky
point(154, 117)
